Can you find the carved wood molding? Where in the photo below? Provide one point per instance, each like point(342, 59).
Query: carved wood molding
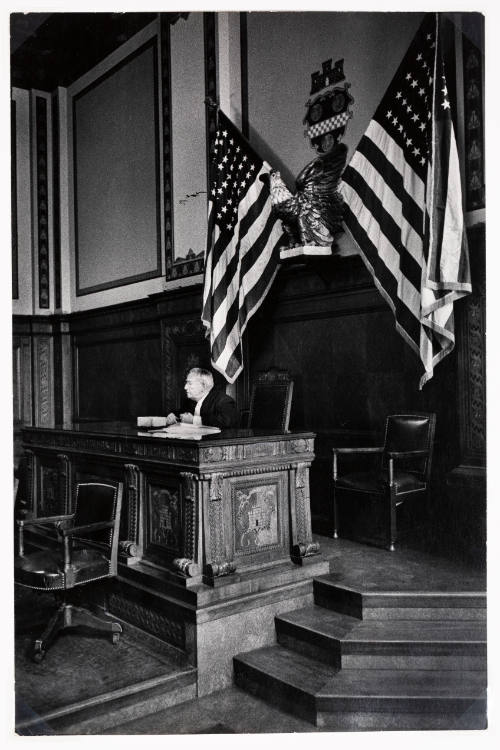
point(158, 624)
point(472, 359)
point(44, 378)
point(42, 202)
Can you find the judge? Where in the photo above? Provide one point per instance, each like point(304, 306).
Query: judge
point(211, 407)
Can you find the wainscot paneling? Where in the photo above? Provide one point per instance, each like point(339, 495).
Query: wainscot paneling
point(325, 322)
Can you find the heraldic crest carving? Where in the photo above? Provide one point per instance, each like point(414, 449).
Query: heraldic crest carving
point(312, 217)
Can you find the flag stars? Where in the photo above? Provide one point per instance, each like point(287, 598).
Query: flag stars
point(409, 141)
point(422, 161)
point(414, 84)
point(422, 126)
point(416, 151)
point(399, 95)
point(445, 104)
point(421, 91)
point(400, 128)
point(395, 121)
point(389, 114)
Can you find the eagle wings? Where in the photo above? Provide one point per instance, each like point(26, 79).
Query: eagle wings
point(313, 216)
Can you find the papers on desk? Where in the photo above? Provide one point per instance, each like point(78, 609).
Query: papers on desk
point(146, 422)
point(183, 430)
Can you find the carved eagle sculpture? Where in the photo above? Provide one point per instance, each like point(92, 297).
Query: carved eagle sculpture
point(313, 216)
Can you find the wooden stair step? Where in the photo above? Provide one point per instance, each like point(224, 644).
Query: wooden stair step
point(364, 699)
point(402, 605)
point(324, 634)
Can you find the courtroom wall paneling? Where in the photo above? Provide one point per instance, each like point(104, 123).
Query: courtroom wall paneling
point(118, 377)
point(350, 366)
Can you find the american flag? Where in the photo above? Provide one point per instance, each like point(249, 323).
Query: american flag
point(242, 253)
point(404, 201)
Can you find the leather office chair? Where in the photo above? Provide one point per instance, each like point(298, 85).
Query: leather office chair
point(271, 400)
point(403, 472)
point(87, 552)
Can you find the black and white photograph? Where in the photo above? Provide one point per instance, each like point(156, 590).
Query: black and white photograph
point(248, 393)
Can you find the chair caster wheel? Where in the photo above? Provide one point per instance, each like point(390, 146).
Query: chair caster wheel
point(116, 638)
point(38, 656)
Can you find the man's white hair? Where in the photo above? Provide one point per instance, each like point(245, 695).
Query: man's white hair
point(204, 375)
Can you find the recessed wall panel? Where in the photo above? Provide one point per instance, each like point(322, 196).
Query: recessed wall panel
point(116, 158)
point(189, 141)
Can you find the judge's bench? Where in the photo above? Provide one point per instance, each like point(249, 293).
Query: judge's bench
point(215, 533)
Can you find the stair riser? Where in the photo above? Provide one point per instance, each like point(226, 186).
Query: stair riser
point(466, 614)
point(327, 652)
point(457, 663)
point(399, 704)
point(360, 610)
point(383, 656)
point(365, 721)
point(400, 607)
point(286, 697)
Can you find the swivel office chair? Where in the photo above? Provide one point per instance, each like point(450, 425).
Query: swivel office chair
point(87, 552)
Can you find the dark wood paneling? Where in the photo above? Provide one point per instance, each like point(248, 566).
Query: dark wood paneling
point(118, 379)
point(326, 323)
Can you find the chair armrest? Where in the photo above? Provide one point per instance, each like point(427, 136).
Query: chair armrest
point(406, 454)
point(46, 519)
point(352, 451)
point(373, 449)
point(87, 527)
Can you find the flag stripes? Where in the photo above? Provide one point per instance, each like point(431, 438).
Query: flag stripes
point(242, 254)
point(404, 205)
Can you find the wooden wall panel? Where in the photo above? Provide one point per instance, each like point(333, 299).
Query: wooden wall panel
point(118, 379)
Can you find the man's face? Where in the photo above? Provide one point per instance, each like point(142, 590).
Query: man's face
point(194, 387)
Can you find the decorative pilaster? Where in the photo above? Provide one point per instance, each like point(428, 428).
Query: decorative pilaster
point(217, 563)
point(189, 564)
point(42, 202)
point(131, 548)
point(64, 483)
point(303, 545)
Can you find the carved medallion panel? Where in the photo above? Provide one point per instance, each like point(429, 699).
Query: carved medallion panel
point(164, 519)
point(259, 517)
